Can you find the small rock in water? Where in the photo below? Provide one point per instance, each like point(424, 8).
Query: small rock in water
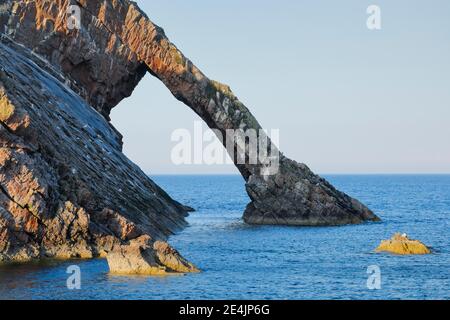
point(145, 257)
point(401, 244)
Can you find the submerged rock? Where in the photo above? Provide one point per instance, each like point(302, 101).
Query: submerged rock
point(401, 244)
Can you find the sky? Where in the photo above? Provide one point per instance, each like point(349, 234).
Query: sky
point(345, 99)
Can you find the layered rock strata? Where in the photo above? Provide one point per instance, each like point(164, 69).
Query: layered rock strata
point(66, 189)
point(401, 244)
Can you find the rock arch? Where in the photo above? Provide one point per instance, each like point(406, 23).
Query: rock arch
point(109, 55)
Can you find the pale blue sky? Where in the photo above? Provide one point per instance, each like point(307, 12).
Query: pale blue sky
point(346, 99)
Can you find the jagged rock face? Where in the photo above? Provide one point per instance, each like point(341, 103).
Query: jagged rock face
point(102, 69)
point(296, 196)
point(66, 189)
point(108, 55)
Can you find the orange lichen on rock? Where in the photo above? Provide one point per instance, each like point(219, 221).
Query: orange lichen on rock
point(401, 244)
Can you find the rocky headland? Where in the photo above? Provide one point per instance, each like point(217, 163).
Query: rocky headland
point(67, 190)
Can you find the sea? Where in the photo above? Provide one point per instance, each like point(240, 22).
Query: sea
point(240, 261)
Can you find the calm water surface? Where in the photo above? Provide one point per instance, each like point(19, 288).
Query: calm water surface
point(248, 262)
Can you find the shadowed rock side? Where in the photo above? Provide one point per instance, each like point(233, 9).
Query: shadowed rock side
point(109, 54)
point(66, 189)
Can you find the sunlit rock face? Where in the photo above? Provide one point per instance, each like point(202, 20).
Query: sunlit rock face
point(101, 68)
point(403, 245)
point(71, 154)
point(66, 189)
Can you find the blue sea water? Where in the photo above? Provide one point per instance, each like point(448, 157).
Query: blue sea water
point(239, 261)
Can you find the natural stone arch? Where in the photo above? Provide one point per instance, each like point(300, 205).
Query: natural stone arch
point(117, 44)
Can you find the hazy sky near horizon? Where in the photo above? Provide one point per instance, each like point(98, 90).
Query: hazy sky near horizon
point(346, 99)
